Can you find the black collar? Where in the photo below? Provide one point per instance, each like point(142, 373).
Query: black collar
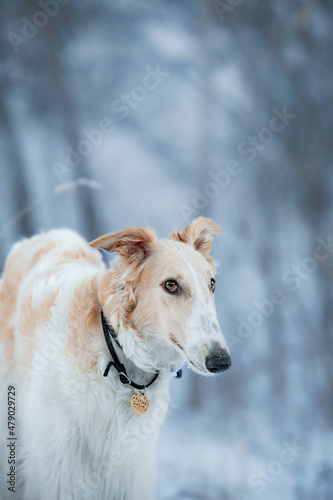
point(109, 334)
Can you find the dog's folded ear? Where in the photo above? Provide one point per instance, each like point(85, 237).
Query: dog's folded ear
point(131, 244)
point(199, 234)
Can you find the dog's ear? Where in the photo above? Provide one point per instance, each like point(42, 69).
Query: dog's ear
point(199, 234)
point(131, 244)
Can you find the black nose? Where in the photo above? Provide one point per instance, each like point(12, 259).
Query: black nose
point(218, 360)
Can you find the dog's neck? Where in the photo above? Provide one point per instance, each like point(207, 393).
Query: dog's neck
point(121, 363)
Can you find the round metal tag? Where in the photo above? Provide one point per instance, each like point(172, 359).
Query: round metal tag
point(139, 403)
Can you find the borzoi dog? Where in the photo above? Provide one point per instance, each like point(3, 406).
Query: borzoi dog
point(88, 352)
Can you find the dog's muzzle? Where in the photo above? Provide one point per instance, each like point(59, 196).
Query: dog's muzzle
point(218, 360)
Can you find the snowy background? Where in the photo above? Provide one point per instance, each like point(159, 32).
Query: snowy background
point(119, 113)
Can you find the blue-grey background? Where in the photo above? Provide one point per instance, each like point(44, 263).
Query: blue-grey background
point(221, 73)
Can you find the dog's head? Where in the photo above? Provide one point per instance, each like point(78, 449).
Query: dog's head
point(163, 291)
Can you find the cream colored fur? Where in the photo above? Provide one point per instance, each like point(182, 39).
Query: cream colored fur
point(77, 437)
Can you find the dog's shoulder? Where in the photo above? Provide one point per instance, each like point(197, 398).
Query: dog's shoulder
point(35, 272)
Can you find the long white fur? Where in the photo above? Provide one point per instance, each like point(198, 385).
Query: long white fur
point(77, 438)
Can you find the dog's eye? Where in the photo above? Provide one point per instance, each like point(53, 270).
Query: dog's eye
point(212, 285)
point(171, 286)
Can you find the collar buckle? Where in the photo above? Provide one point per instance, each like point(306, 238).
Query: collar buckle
point(124, 378)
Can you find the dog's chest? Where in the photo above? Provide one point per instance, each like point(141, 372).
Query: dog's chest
point(123, 445)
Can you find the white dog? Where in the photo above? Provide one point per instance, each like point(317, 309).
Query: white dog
point(89, 352)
